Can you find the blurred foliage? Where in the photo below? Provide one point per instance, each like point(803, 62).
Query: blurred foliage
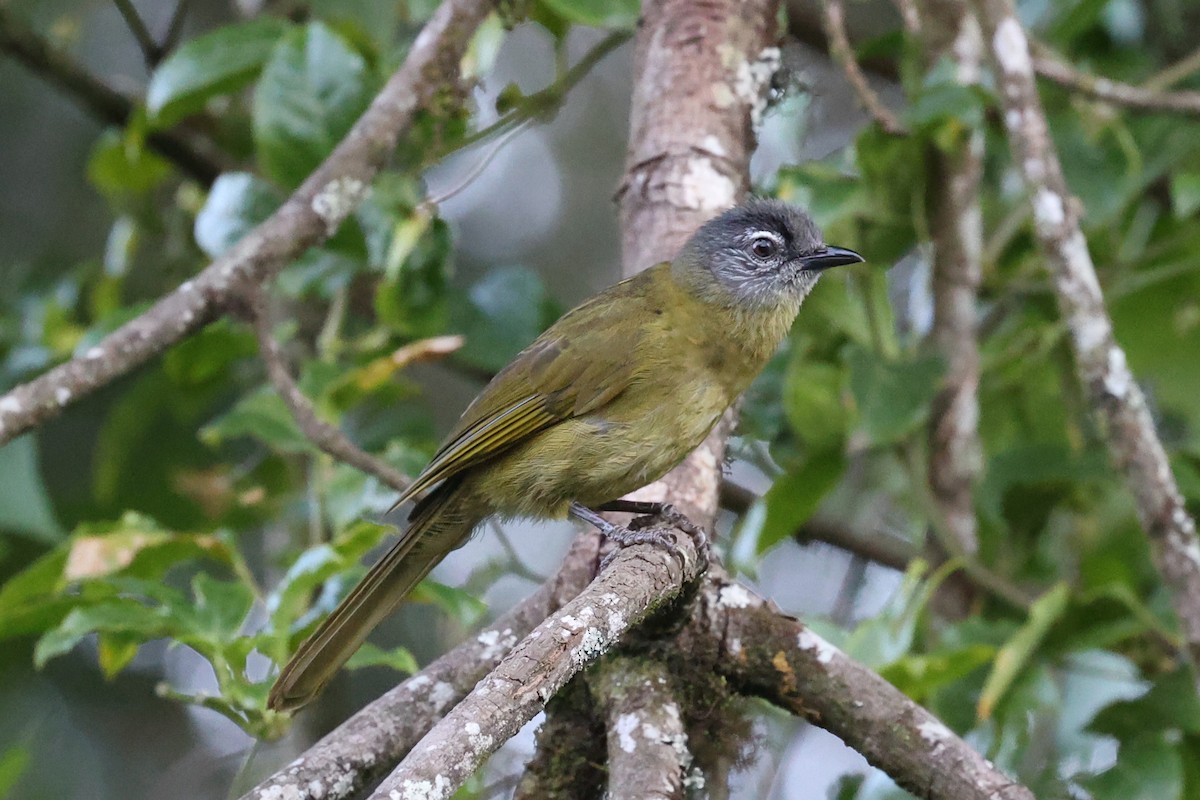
point(202, 515)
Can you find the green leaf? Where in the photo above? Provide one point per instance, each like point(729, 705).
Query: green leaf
point(13, 764)
point(1185, 193)
point(597, 13)
point(812, 402)
point(210, 65)
point(412, 300)
point(461, 606)
point(893, 397)
point(312, 90)
point(122, 165)
point(236, 203)
point(792, 499)
point(220, 608)
point(119, 615)
point(370, 655)
point(1019, 650)
point(1170, 705)
point(1149, 767)
point(24, 504)
point(259, 415)
point(508, 308)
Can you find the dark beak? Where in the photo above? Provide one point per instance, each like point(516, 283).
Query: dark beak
point(829, 257)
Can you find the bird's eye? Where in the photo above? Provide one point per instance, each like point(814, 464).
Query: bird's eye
point(762, 247)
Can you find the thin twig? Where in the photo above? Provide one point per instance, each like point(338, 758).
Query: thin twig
point(151, 52)
point(834, 19)
point(174, 28)
point(312, 214)
point(98, 98)
point(1113, 394)
point(1142, 98)
point(325, 436)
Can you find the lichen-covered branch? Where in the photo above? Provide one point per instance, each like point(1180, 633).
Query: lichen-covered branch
point(641, 579)
point(1113, 394)
point(370, 743)
point(308, 217)
point(648, 756)
point(765, 653)
point(97, 97)
point(1050, 66)
point(834, 21)
point(949, 30)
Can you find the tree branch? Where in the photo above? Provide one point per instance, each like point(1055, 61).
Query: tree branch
point(834, 21)
point(641, 579)
point(96, 97)
point(1050, 66)
point(308, 217)
point(955, 220)
point(370, 743)
point(776, 657)
point(648, 755)
point(151, 53)
point(1113, 394)
point(325, 436)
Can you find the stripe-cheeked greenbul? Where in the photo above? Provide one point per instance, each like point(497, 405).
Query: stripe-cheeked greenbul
point(612, 396)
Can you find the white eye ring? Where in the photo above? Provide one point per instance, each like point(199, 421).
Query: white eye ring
point(764, 244)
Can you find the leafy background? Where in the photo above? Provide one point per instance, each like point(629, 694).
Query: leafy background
point(168, 538)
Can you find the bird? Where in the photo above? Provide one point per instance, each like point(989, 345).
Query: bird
point(608, 399)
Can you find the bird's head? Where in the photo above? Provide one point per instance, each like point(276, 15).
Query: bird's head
point(760, 255)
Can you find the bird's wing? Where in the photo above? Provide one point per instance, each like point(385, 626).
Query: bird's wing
point(578, 365)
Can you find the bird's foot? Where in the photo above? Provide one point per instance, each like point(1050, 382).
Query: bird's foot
point(647, 528)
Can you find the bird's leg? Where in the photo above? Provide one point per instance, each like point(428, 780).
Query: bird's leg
point(637, 532)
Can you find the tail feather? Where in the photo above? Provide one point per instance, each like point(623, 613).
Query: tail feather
point(439, 525)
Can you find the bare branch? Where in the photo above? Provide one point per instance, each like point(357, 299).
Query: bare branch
point(834, 20)
point(647, 746)
point(325, 436)
point(97, 98)
point(776, 657)
point(151, 53)
point(640, 579)
point(1113, 394)
point(956, 222)
point(1054, 68)
point(312, 214)
point(370, 743)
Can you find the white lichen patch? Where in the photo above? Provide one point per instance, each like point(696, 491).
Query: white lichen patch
point(748, 80)
point(1048, 211)
point(625, 726)
point(495, 643)
point(480, 742)
point(735, 646)
point(807, 640)
point(1011, 47)
point(934, 733)
point(336, 200)
point(616, 623)
point(703, 187)
point(734, 596)
point(10, 405)
point(1090, 333)
point(591, 646)
point(437, 789)
point(418, 681)
point(609, 599)
point(441, 695)
point(1117, 379)
point(94, 353)
point(711, 144)
point(283, 793)
point(62, 395)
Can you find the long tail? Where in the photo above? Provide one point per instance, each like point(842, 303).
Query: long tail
point(440, 523)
